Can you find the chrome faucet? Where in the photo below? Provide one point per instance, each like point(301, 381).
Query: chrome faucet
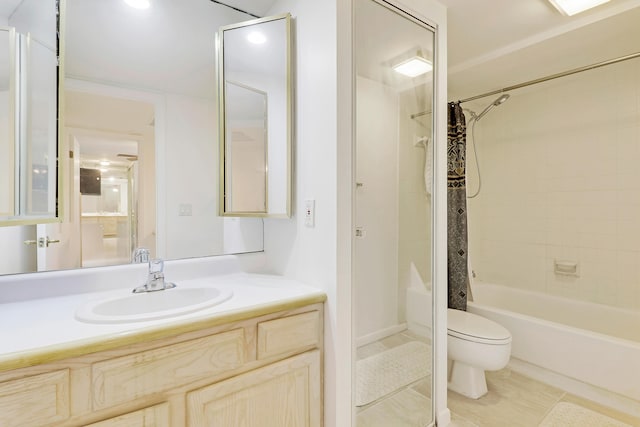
point(155, 280)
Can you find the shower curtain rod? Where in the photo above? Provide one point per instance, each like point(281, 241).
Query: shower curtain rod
point(554, 76)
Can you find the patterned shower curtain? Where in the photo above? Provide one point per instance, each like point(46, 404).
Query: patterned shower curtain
point(457, 208)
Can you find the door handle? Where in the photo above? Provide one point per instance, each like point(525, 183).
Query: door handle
point(42, 242)
point(47, 242)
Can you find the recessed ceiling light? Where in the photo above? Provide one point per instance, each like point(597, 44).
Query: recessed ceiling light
point(571, 7)
point(413, 67)
point(256, 37)
point(139, 4)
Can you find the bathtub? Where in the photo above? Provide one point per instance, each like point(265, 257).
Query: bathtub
point(592, 343)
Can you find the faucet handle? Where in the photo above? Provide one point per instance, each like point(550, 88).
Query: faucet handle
point(156, 266)
point(141, 255)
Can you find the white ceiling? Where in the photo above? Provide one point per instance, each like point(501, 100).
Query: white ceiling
point(498, 43)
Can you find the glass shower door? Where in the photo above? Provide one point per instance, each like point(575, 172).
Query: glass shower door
point(392, 251)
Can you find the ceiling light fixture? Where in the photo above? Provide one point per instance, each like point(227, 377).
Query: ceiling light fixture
point(413, 67)
point(571, 7)
point(139, 4)
point(105, 163)
point(256, 37)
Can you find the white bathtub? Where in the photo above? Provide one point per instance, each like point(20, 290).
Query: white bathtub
point(592, 343)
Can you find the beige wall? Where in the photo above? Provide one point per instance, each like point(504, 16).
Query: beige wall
point(560, 176)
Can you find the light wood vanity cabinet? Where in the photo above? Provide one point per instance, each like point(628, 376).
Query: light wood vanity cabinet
point(155, 416)
point(264, 371)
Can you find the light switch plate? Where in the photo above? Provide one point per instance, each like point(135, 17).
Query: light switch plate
point(310, 213)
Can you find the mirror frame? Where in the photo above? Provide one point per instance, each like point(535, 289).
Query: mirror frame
point(58, 215)
point(222, 125)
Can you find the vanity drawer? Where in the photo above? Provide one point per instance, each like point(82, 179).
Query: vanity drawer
point(40, 400)
point(289, 334)
point(130, 377)
point(155, 416)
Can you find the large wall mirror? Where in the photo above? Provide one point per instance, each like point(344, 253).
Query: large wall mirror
point(29, 53)
point(255, 115)
point(139, 137)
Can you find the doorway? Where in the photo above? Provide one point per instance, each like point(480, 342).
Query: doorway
point(111, 141)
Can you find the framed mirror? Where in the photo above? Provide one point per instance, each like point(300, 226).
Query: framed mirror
point(138, 111)
point(29, 76)
point(255, 84)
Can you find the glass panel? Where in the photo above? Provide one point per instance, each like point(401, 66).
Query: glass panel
point(392, 266)
point(7, 141)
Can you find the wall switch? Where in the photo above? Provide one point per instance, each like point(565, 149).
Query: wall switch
point(310, 213)
point(185, 209)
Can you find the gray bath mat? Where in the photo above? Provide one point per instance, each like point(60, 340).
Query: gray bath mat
point(566, 414)
point(386, 372)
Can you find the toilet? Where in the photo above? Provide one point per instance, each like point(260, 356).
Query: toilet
point(474, 345)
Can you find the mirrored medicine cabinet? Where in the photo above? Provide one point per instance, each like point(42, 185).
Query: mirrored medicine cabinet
point(255, 109)
point(29, 76)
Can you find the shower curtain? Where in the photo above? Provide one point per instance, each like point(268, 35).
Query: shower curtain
point(456, 208)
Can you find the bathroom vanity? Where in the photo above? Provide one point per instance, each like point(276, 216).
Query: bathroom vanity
point(254, 358)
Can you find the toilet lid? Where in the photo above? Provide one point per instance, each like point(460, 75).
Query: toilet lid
point(471, 327)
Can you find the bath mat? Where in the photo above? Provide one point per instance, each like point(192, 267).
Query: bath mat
point(566, 414)
point(386, 372)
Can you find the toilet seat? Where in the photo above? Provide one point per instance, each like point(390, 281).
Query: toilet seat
point(471, 327)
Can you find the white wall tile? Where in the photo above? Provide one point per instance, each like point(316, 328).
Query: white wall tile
point(563, 177)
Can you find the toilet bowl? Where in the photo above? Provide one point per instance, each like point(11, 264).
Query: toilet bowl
point(474, 345)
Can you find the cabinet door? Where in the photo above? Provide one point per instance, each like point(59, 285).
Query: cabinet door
point(283, 394)
point(39, 400)
point(155, 416)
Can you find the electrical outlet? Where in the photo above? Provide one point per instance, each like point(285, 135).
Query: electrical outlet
point(310, 213)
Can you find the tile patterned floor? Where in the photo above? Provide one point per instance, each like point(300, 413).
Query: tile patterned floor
point(514, 400)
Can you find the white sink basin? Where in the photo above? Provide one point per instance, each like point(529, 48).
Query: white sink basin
point(151, 305)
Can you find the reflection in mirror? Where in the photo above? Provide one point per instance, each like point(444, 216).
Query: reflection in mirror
point(140, 94)
point(246, 148)
point(28, 111)
point(254, 56)
point(39, 146)
point(392, 266)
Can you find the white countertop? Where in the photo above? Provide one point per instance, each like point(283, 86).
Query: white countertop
point(33, 326)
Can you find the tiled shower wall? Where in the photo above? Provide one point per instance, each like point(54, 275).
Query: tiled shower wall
point(560, 167)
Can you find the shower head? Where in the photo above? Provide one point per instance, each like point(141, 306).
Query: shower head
point(502, 98)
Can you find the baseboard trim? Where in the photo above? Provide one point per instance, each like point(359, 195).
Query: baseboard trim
point(378, 335)
point(579, 388)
